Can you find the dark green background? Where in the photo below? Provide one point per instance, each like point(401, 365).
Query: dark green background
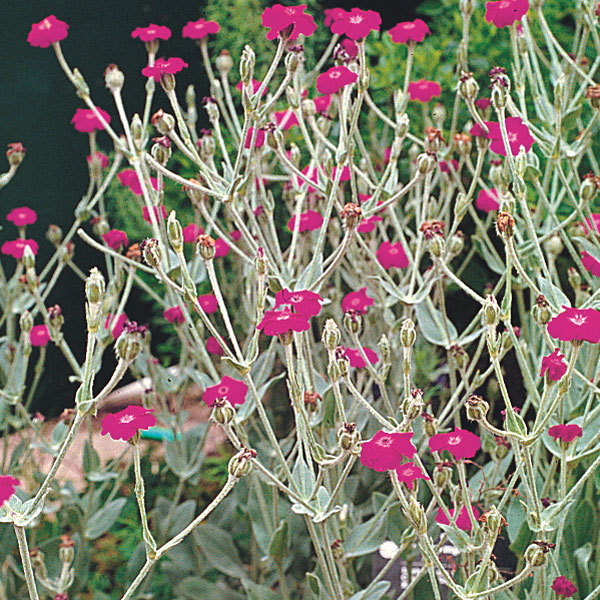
point(36, 106)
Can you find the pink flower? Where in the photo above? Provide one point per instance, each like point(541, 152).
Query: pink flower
point(392, 255)
point(22, 216)
point(191, 232)
point(332, 15)
point(414, 31)
point(278, 322)
point(164, 66)
point(357, 361)
point(311, 174)
point(7, 487)
point(445, 166)
point(115, 239)
point(594, 224)
point(128, 178)
point(349, 47)
point(367, 225)
point(259, 140)
point(590, 263)
point(100, 157)
point(505, 12)
point(576, 324)
point(424, 90)
point(487, 200)
point(517, 132)
point(384, 451)
point(39, 335)
point(118, 326)
point(554, 365)
point(344, 176)
point(303, 301)
point(86, 121)
point(16, 248)
point(309, 221)
point(278, 18)
point(409, 473)
point(196, 30)
point(209, 303)
point(483, 103)
point(357, 23)
point(286, 119)
point(124, 424)
point(159, 212)
point(235, 235)
point(174, 314)
point(46, 32)
point(213, 346)
point(334, 79)
point(222, 248)
point(563, 587)
point(232, 390)
point(322, 103)
point(460, 443)
point(357, 301)
point(152, 32)
point(463, 521)
point(255, 87)
point(565, 433)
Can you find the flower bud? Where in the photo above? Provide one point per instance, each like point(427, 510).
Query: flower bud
point(163, 122)
point(161, 149)
point(593, 95)
point(497, 173)
point(81, 86)
point(247, 62)
point(223, 411)
point(477, 408)
point(15, 154)
point(352, 322)
point(430, 424)
point(535, 555)
point(212, 110)
point(468, 88)
point(416, 515)
point(589, 188)
point(426, 162)
point(502, 448)
point(205, 246)
point(331, 335)
point(442, 475)
point(294, 58)
point(113, 78)
point(413, 405)
point(408, 335)
point(461, 205)
point(351, 215)
point(348, 438)
point(385, 349)
point(308, 108)
point(38, 562)
point(94, 286)
point(505, 224)
point(66, 550)
point(55, 317)
point(175, 233)
point(224, 62)
point(151, 252)
point(216, 90)
point(456, 244)
point(342, 361)
point(402, 128)
point(26, 322)
point(240, 464)
point(130, 343)
point(54, 235)
point(574, 279)
point(541, 311)
point(274, 136)
point(28, 258)
point(491, 311)
point(337, 550)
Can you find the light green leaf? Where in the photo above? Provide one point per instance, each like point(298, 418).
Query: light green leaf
point(104, 519)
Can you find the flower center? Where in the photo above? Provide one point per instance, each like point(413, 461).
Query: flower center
point(356, 19)
point(408, 472)
point(46, 24)
point(335, 75)
point(512, 137)
point(385, 441)
point(578, 320)
point(454, 440)
point(393, 250)
point(290, 10)
point(126, 419)
point(295, 298)
point(223, 390)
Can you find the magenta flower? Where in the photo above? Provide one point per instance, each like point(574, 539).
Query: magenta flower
point(259, 140)
point(7, 487)
point(160, 212)
point(100, 157)
point(392, 255)
point(581, 324)
point(311, 174)
point(463, 520)
point(554, 365)
point(357, 301)
point(483, 103)
point(124, 424)
point(309, 221)
point(590, 263)
point(334, 79)
point(322, 103)
point(409, 473)
point(196, 30)
point(115, 239)
point(152, 32)
point(16, 248)
point(565, 433)
point(47, 32)
point(209, 303)
point(39, 335)
point(174, 314)
point(414, 31)
point(162, 66)
point(278, 322)
point(22, 216)
point(594, 224)
point(191, 232)
point(286, 119)
point(86, 121)
point(563, 587)
point(222, 248)
point(423, 90)
point(255, 87)
point(118, 326)
point(367, 225)
point(517, 132)
point(349, 47)
point(505, 12)
point(303, 301)
point(213, 346)
point(232, 390)
point(384, 451)
point(357, 23)
point(357, 361)
point(332, 15)
point(344, 176)
point(128, 178)
point(278, 18)
point(447, 167)
point(487, 200)
point(460, 443)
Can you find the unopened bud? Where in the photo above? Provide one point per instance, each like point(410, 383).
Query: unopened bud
point(413, 405)
point(26, 322)
point(81, 86)
point(113, 78)
point(175, 233)
point(161, 149)
point(352, 322)
point(240, 464)
point(535, 555)
point(426, 163)
point(130, 343)
point(224, 62)
point(416, 515)
point(247, 62)
point(223, 411)
point(163, 122)
point(491, 311)
point(408, 335)
point(540, 311)
point(205, 246)
point(28, 258)
point(348, 437)
point(54, 235)
point(477, 408)
point(553, 245)
point(15, 153)
point(94, 286)
point(468, 87)
point(331, 335)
